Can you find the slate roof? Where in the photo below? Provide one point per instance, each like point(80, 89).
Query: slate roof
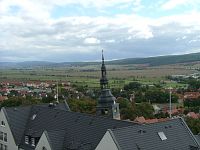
point(74, 130)
point(18, 118)
point(68, 130)
point(145, 137)
point(198, 138)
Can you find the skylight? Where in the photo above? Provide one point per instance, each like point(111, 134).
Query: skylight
point(162, 136)
point(33, 117)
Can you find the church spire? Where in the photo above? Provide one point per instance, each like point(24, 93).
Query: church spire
point(106, 103)
point(103, 80)
point(102, 57)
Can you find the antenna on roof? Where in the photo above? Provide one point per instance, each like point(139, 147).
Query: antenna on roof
point(170, 102)
point(57, 101)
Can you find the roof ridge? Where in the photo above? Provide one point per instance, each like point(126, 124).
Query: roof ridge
point(145, 124)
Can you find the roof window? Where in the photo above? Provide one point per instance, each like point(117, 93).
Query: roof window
point(34, 116)
point(162, 136)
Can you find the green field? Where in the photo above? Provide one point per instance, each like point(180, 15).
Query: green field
point(118, 75)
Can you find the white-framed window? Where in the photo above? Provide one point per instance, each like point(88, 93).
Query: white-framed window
point(26, 139)
point(5, 147)
point(1, 146)
point(5, 137)
point(32, 141)
point(1, 135)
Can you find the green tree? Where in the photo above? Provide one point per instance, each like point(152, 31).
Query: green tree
point(83, 105)
point(194, 124)
point(144, 109)
point(126, 109)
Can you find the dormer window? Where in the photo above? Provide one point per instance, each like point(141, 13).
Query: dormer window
point(26, 139)
point(32, 141)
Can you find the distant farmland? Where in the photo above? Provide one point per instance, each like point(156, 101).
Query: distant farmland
point(89, 75)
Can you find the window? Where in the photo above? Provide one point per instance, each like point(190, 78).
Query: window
point(162, 136)
point(1, 146)
point(33, 117)
point(5, 137)
point(32, 141)
point(44, 148)
point(2, 123)
point(26, 139)
point(104, 111)
point(5, 147)
point(1, 135)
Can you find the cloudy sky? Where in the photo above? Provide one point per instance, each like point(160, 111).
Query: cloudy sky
point(77, 30)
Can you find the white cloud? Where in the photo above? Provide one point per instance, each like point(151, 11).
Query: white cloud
point(174, 3)
point(171, 4)
point(110, 41)
point(91, 40)
point(31, 33)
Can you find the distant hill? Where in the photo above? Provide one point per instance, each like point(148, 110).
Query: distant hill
point(160, 60)
point(26, 64)
point(151, 61)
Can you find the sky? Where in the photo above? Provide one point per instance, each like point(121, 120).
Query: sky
point(78, 30)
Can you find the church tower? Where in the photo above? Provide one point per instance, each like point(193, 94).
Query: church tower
point(106, 103)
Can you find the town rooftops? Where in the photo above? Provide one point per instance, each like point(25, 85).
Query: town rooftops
point(66, 130)
point(74, 130)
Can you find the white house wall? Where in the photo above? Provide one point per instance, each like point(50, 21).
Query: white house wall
point(106, 143)
point(43, 142)
point(6, 129)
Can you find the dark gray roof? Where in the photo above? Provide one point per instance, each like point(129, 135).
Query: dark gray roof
point(146, 137)
point(56, 139)
point(18, 118)
point(71, 130)
point(198, 138)
point(80, 131)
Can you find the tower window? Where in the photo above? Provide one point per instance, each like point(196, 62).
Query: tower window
point(104, 111)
